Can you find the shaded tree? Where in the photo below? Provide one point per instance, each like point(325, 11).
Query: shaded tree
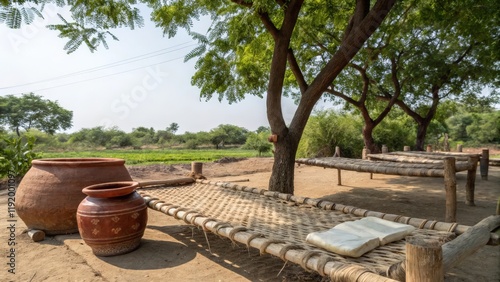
point(235, 60)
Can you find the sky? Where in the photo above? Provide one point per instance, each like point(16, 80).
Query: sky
point(141, 80)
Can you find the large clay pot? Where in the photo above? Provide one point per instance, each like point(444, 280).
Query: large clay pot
point(49, 194)
point(112, 218)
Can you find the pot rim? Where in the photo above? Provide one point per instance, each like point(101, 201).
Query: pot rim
point(111, 189)
point(79, 162)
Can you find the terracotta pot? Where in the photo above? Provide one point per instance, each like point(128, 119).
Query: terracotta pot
point(112, 218)
point(49, 194)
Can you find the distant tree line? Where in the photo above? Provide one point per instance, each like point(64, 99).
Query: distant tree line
point(325, 130)
point(223, 136)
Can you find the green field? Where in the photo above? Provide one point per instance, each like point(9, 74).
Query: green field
point(135, 157)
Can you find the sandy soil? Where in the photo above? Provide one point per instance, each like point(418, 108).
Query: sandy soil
point(172, 251)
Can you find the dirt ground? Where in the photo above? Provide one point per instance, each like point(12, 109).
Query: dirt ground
point(173, 251)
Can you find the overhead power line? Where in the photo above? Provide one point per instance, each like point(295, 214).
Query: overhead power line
point(103, 76)
point(108, 66)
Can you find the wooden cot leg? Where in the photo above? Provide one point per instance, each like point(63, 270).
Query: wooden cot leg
point(424, 260)
point(471, 181)
point(498, 206)
point(450, 185)
point(484, 163)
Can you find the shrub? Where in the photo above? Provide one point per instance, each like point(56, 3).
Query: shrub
point(17, 156)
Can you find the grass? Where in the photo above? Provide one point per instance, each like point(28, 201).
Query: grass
point(154, 156)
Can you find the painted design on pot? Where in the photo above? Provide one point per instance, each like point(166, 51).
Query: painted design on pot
point(116, 230)
point(121, 214)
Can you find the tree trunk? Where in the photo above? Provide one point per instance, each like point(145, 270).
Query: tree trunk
point(282, 176)
point(422, 126)
point(421, 133)
point(368, 138)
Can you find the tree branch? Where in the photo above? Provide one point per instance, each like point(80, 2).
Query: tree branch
point(395, 96)
point(294, 66)
point(344, 96)
point(351, 43)
point(360, 12)
point(269, 25)
point(277, 72)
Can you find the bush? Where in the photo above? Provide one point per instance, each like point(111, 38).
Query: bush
point(17, 156)
point(395, 133)
point(328, 129)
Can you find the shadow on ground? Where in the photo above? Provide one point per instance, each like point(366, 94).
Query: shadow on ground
point(237, 258)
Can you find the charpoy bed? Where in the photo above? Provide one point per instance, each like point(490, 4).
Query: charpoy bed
point(447, 167)
point(278, 223)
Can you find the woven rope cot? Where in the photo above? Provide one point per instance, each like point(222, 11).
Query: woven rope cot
point(436, 155)
point(383, 167)
point(462, 162)
point(446, 168)
point(278, 223)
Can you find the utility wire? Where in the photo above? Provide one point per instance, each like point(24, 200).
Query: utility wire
point(126, 61)
point(94, 78)
point(106, 66)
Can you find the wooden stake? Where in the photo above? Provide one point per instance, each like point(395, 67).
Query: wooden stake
point(446, 144)
point(36, 235)
point(429, 148)
point(337, 151)
point(385, 150)
point(339, 174)
point(406, 148)
point(450, 185)
point(424, 260)
point(364, 153)
point(498, 206)
point(484, 164)
point(459, 147)
point(470, 186)
point(197, 168)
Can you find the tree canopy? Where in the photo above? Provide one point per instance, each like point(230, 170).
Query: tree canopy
point(31, 111)
point(425, 52)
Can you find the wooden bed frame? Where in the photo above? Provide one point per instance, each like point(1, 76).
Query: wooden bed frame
point(277, 224)
point(410, 164)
